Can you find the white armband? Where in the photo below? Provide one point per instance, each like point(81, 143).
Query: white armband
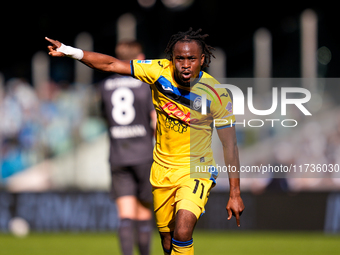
point(71, 52)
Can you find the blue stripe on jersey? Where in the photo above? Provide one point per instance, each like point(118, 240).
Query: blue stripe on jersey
point(169, 88)
point(226, 126)
point(132, 70)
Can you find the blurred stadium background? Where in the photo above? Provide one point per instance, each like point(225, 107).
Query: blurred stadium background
point(53, 153)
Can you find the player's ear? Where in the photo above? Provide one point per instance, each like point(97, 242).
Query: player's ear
point(202, 59)
point(172, 58)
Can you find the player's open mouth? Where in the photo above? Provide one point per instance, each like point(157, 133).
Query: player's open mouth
point(186, 75)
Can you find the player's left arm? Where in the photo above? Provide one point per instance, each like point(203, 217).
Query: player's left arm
point(235, 204)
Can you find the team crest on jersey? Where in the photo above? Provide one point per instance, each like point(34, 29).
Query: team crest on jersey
point(197, 103)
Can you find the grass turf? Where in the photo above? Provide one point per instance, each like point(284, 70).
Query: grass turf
point(206, 242)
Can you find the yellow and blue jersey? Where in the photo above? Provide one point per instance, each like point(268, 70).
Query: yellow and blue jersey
point(183, 133)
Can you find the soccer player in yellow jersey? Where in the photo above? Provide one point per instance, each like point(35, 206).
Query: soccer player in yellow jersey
point(183, 139)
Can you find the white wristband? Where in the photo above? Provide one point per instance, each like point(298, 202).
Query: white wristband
point(71, 52)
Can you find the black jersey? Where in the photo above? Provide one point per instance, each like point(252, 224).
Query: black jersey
point(127, 104)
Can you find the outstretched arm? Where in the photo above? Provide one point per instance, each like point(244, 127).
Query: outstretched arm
point(235, 204)
point(94, 60)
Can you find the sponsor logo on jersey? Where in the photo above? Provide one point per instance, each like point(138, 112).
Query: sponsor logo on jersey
point(167, 88)
point(229, 107)
point(144, 61)
point(172, 110)
point(176, 125)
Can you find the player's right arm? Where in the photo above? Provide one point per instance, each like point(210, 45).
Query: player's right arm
point(94, 60)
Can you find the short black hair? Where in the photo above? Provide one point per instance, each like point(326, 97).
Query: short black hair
point(189, 36)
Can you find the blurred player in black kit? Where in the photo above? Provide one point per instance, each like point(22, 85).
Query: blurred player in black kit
point(128, 109)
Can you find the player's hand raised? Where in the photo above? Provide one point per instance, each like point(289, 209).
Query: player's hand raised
point(53, 48)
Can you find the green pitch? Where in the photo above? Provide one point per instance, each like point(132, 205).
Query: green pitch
point(206, 243)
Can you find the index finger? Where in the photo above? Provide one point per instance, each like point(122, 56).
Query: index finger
point(54, 42)
point(237, 216)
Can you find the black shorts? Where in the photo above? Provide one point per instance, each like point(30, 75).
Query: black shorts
point(132, 181)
